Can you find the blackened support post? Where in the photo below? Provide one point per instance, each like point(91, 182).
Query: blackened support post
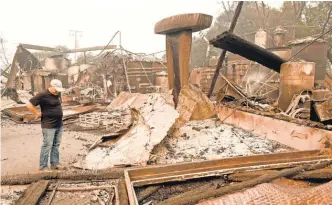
point(223, 54)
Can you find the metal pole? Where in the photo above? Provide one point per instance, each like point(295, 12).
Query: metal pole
point(223, 54)
point(124, 65)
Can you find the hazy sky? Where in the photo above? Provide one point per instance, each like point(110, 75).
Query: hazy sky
point(47, 23)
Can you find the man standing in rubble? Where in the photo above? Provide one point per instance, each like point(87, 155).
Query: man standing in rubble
point(51, 123)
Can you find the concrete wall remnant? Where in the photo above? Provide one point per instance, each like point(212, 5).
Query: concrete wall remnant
point(295, 77)
point(261, 38)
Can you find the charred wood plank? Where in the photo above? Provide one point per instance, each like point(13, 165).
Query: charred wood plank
point(189, 198)
point(232, 43)
point(123, 194)
point(113, 173)
point(33, 193)
point(322, 174)
point(148, 192)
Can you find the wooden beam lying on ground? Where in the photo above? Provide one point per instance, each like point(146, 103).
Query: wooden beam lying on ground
point(147, 192)
point(320, 174)
point(123, 194)
point(190, 198)
point(316, 174)
point(33, 193)
point(113, 173)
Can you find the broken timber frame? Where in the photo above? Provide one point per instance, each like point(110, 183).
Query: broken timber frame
point(223, 54)
point(195, 196)
point(185, 171)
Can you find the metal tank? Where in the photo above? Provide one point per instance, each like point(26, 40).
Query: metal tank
point(295, 77)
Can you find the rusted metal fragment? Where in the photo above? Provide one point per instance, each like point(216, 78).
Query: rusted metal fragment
point(33, 193)
point(194, 22)
point(324, 110)
point(237, 45)
point(275, 129)
point(212, 166)
point(219, 172)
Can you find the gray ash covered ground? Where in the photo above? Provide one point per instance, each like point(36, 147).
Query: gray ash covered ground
point(211, 139)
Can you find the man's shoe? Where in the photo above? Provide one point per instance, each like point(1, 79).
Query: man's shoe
point(46, 169)
point(58, 167)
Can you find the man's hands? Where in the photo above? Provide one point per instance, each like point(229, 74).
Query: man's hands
point(38, 115)
point(34, 111)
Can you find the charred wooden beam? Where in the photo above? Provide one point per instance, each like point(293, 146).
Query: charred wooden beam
point(33, 193)
point(189, 198)
point(123, 194)
point(113, 173)
point(223, 54)
point(148, 192)
point(232, 43)
point(178, 30)
point(319, 174)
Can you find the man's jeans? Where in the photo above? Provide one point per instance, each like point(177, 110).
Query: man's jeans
point(51, 142)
